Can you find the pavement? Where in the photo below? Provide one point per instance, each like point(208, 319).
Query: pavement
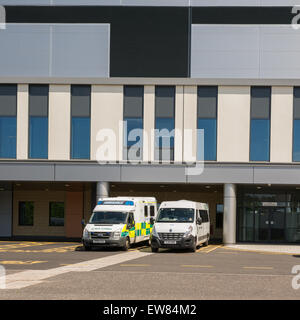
point(49, 270)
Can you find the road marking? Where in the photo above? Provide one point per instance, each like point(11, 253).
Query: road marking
point(134, 265)
point(195, 266)
point(31, 277)
point(209, 248)
point(259, 268)
point(56, 249)
point(21, 262)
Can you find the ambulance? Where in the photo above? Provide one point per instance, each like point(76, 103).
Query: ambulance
point(181, 224)
point(120, 222)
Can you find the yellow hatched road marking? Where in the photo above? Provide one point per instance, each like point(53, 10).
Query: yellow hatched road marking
point(22, 262)
point(56, 249)
point(209, 248)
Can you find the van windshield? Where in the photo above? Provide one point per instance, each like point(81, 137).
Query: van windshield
point(175, 215)
point(109, 217)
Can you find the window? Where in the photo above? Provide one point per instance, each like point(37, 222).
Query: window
point(219, 216)
point(26, 210)
point(204, 216)
point(207, 120)
point(296, 125)
point(8, 121)
point(81, 121)
point(133, 119)
point(38, 121)
point(152, 211)
point(146, 211)
point(260, 124)
point(164, 122)
point(56, 214)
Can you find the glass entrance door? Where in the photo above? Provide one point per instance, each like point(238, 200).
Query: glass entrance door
point(271, 224)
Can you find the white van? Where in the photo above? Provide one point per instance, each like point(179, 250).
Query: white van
point(120, 221)
point(181, 224)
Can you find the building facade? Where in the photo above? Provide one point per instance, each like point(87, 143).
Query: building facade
point(196, 100)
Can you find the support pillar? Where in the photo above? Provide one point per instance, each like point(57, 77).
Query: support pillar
point(102, 190)
point(229, 219)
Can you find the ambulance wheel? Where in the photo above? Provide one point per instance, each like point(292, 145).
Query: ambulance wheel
point(127, 245)
point(153, 249)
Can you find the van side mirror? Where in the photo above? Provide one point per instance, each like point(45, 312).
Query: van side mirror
point(199, 221)
point(152, 220)
point(83, 222)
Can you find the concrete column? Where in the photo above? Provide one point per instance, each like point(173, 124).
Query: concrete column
point(102, 190)
point(229, 219)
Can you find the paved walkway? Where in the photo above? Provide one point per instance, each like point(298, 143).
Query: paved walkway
point(272, 248)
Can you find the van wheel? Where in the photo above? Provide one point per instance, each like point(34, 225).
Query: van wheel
point(127, 245)
point(194, 247)
point(87, 248)
point(205, 244)
point(153, 249)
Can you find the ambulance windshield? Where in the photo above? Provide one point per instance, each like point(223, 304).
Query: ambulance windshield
point(109, 217)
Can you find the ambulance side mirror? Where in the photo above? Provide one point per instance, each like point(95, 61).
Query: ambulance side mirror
point(152, 220)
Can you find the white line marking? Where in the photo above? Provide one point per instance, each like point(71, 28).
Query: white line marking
point(31, 277)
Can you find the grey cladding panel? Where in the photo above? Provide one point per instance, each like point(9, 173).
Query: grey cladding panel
point(8, 100)
point(67, 50)
point(164, 101)
point(260, 102)
point(26, 172)
point(152, 173)
point(224, 51)
point(207, 102)
point(87, 172)
point(38, 100)
point(81, 100)
point(277, 175)
point(133, 101)
point(81, 50)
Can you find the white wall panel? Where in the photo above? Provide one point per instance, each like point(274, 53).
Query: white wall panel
point(233, 124)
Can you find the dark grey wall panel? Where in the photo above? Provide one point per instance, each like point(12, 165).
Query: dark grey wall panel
point(5, 213)
point(153, 173)
point(87, 172)
point(26, 172)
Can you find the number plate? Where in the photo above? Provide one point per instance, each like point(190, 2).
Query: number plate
point(170, 242)
point(98, 241)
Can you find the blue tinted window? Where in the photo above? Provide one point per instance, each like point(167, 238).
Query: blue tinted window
point(133, 123)
point(161, 124)
point(80, 145)
point(296, 141)
point(38, 144)
point(210, 139)
point(260, 140)
point(8, 129)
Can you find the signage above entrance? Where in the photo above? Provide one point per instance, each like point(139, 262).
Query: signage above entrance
point(269, 204)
